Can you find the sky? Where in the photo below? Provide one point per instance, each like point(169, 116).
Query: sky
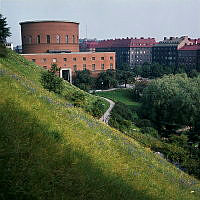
point(109, 19)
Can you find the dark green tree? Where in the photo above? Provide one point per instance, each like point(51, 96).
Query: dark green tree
point(106, 80)
point(4, 33)
point(84, 80)
point(172, 102)
point(4, 30)
point(51, 81)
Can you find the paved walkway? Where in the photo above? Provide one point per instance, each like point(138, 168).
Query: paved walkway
point(106, 116)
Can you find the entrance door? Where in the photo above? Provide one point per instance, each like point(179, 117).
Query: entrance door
point(66, 75)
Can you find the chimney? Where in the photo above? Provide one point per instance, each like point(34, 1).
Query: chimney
point(165, 38)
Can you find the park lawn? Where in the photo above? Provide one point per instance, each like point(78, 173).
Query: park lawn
point(121, 95)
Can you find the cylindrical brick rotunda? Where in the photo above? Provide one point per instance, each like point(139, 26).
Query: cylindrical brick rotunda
point(49, 36)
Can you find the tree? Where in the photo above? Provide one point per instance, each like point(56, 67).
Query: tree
point(125, 75)
point(51, 81)
point(83, 80)
point(172, 102)
point(4, 33)
point(106, 80)
point(4, 30)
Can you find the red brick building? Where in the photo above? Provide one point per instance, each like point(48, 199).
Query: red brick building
point(47, 42)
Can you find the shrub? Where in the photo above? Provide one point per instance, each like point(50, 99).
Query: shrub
point(78, 99)
point(51, 81)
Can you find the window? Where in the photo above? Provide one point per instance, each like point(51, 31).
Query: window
point(73, 39)
point(45, 67)
point(111, 58)
point(44, 59)
point(48, 39)
point(67, 39)
point(111, 66)
point(75, 68)
point(84, 66)
point(102, 66)
point(74, 59)
point(33, 60)
point(38, 39)
point(58, 39)
point(84, 58)
point(54, 60)
point(102, 58)
point(29, 39)
point(65, 59)
point(93, 58)
point(93, 67)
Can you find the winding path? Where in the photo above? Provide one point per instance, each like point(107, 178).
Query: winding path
point(106, 116)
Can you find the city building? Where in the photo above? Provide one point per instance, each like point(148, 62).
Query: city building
point(166, 52)
point(189, 56)
point(9, 45)
point(86, 45)
point(130, 51)
point(48, 42)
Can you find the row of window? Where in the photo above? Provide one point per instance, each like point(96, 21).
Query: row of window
point(48, 39)
point(75, 59)
point(85, 67)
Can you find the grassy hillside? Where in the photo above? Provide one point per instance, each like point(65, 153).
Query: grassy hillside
point(51, 150)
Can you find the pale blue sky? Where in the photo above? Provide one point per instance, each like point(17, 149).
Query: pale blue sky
point(110, 18)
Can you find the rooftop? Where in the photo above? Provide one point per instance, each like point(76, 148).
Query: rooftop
point(48, 21)
point(191, 47)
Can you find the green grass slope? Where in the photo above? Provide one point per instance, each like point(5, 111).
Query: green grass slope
point(51, 150)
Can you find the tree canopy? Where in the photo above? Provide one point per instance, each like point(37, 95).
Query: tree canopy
point(4, 30)
point(172, 102)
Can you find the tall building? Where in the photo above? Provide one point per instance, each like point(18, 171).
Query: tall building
point(166, 52)
point(48, 42)
point(130, 51)
point(189, 56)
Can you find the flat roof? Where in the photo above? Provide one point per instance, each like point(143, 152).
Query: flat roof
point(66, 53)
point(47, 21)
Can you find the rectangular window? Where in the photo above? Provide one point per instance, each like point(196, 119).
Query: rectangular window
point(84, 66)
point(84, 58)
point(44, 59)
point(33, 60)
point(111, 58)
point(38, 39)
point(58, 39)
point(74, 59)
point(48, 39)
point(45, 67)
point(75, 68)
point(73, 39)
point(93, 58)
point(102, 58)
point(65, 59)
point(54, 60)
point(102, 66)
point(93, 67)
point(67, 39)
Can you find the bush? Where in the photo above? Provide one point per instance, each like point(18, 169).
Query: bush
point(3, 51)
point(51, 81)
point(97, 108)
point(78, 99)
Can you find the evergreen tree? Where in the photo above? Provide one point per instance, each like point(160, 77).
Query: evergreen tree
point(4, 30)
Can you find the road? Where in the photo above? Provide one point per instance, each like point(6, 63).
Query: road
point(106, 116)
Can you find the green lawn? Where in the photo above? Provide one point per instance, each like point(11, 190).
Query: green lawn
point(50, 150)
point(120, 95)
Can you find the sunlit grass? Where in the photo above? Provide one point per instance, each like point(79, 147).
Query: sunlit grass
point(51, 150)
